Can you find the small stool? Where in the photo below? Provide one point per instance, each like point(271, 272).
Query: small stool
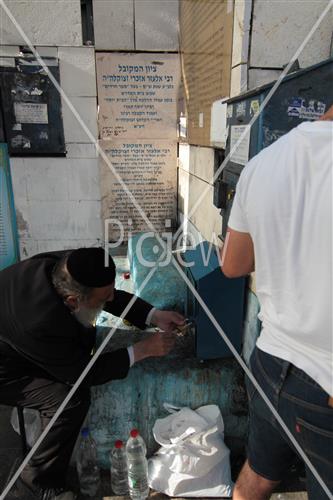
point(20, 416)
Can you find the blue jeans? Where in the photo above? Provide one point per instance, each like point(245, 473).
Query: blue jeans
point(304, 407)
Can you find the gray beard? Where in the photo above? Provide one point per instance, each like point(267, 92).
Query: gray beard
point(87, 317)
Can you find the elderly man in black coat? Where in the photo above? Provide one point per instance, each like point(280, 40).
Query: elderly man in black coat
point(48, 307)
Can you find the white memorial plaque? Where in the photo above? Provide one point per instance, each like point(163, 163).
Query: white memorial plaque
point(241, 153)
point(138, 95)
point(148, 168)
point(30, 112)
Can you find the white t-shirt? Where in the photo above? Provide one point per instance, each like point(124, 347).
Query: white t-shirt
point(284, 200)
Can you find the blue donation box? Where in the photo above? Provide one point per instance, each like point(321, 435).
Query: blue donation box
point(223, 296)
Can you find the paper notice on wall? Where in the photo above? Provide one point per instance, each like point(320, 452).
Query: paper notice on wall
point(138, 95)
point(30, 112)
point(148, 170)
point(241, 153)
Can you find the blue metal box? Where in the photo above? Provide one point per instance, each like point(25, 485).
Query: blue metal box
point(302, 96)
point(223, 296)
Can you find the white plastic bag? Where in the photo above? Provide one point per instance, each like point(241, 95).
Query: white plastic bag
point(32, 424)
point(193, 459)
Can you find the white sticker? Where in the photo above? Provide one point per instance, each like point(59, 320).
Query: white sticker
point(201, 120)
point(30, 112)
point(183, 126)
point(298, 109)
point(44, 135)
point(241, 153)
point(36, 91)
point(20, 141)
point(17, 126)
point(241, 109)
point(254, 106)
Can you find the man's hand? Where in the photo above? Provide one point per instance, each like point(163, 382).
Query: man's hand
point(167, 321)
point(156, 345)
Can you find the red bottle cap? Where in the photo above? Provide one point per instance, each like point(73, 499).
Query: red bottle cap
point(134, 433)
point(118, 444)
point(126, 276)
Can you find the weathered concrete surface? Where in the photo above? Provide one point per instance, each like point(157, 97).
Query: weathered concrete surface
point(279, 27)
point(87, 109)
point(114, 24)
point(57, 200)
point(207, 218)
point(197, 160)
point(77, 71)
point(156, 25)
point(57, 203)
point(258, 77)
point(37, 20)
point(238, 80)
point(136, 25)
point(241, 33)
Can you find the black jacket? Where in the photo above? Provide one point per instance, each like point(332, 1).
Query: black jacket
point(36, 325)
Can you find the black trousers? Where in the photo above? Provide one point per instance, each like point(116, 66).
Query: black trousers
point(24, 384)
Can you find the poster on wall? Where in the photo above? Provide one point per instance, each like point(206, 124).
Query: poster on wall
point(32, 108)
point(147, 167)
point(138, 95)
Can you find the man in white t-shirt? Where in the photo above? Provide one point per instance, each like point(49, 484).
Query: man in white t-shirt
point(281, 220)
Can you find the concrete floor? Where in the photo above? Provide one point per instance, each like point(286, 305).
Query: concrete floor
point(11, 457)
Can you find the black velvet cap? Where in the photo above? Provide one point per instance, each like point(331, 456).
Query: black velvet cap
point(87, 267)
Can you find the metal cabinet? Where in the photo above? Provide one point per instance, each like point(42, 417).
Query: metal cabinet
point(302, 96)
point(223, 296)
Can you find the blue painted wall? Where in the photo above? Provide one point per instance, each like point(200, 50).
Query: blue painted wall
point(9, 251)
point(178, 379)
point(166, 289)
point(138, 400)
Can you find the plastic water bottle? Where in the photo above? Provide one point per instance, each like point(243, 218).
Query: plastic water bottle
point(137, 466)
point(86, 464)
point(119, 480)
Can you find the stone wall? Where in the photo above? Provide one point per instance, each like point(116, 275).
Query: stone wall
point(58, 200)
